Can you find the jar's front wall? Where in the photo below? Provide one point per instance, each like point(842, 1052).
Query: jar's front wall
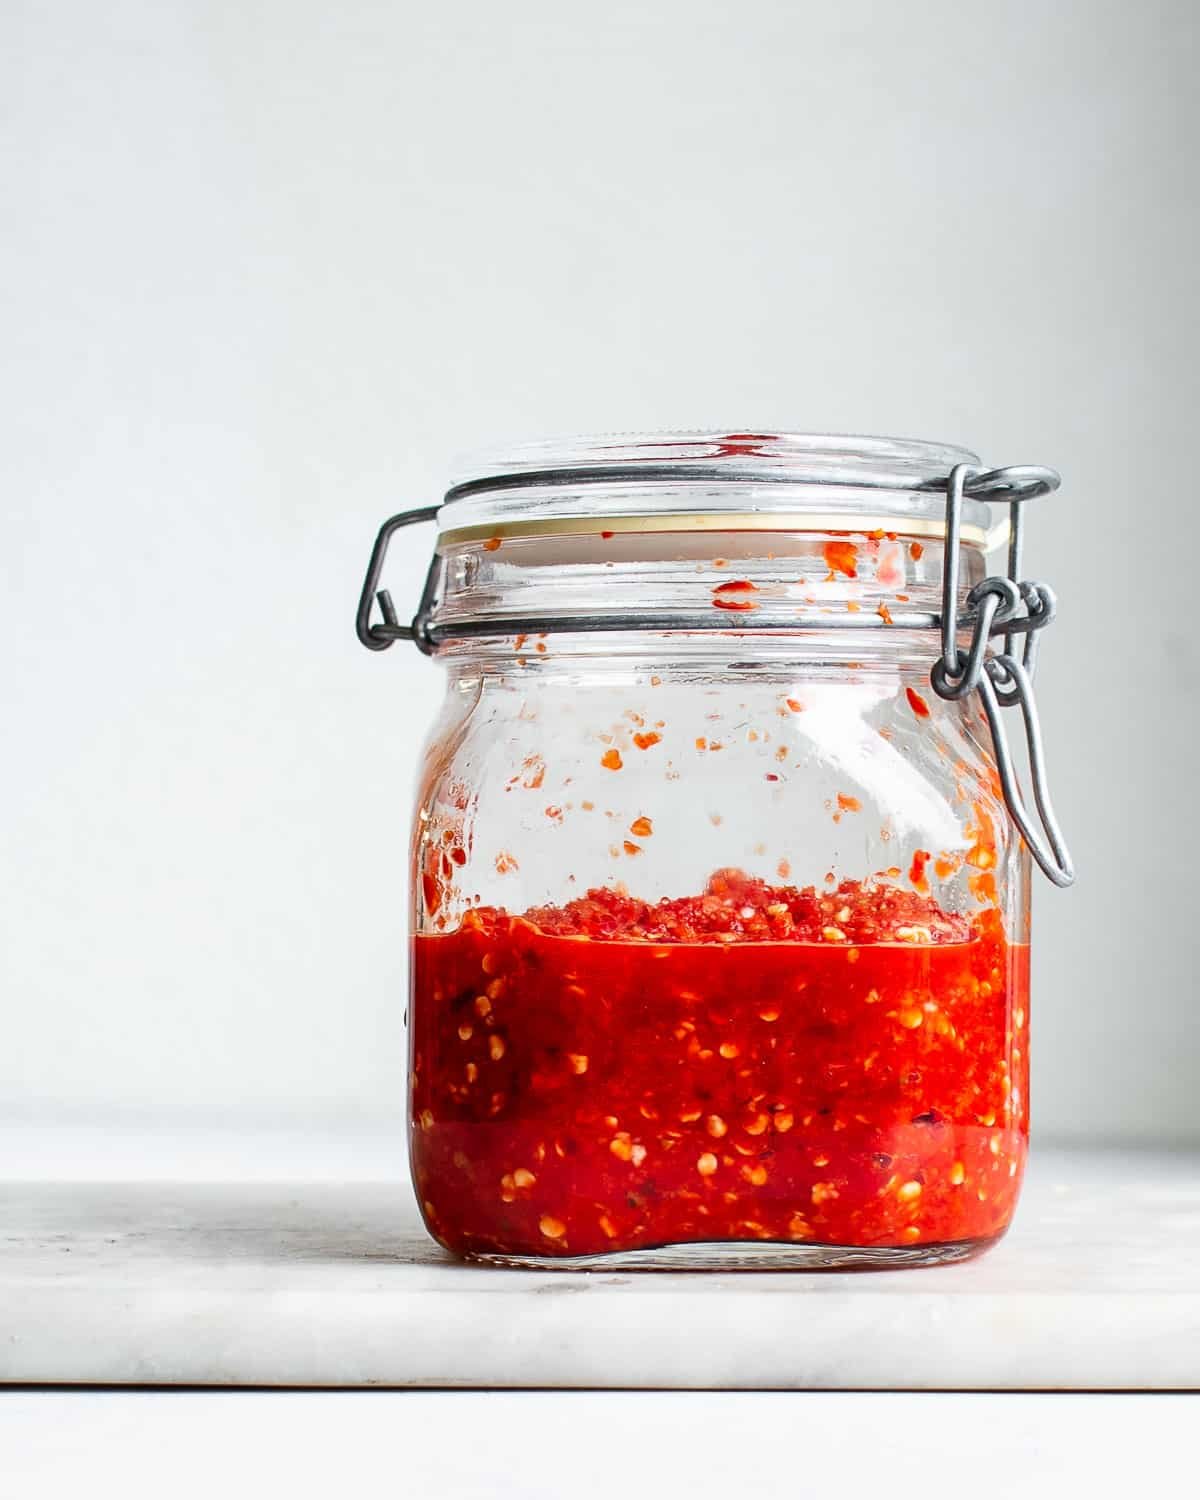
point(576, 1095)
point(652, 774)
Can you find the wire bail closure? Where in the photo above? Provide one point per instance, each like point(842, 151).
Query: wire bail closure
point(380, 636)
point(1010, 607)
point(1005, 606)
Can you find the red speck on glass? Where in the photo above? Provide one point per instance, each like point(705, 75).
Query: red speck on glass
point(742, 444)
point(841, 557)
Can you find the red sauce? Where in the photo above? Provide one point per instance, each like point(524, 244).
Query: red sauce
point(845, 1067)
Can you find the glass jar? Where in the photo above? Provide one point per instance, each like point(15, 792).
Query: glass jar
point(720, 923)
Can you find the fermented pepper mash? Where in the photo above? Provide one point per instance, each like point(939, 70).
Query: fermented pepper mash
point(754, 1062)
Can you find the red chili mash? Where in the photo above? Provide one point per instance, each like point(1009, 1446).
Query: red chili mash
point(759, 1062)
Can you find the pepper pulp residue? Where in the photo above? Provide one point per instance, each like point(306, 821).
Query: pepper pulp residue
point(843, 1067)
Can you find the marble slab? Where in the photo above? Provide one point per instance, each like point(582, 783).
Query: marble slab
point(1097, 1287)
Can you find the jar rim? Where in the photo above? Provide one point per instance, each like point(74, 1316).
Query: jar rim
point(710, 478)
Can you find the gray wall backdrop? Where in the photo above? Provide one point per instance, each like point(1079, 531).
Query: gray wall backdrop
point(267, 265)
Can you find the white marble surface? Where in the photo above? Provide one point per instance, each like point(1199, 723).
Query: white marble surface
point(1097, 1287)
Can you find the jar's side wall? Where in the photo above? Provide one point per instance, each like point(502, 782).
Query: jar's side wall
point(436, 785)
point(437, 853)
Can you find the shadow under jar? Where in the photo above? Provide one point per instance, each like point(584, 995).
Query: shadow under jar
point(720, 924)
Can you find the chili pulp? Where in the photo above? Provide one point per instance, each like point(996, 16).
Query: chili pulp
point(846, 1067)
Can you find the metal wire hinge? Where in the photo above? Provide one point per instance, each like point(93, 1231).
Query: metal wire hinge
point(379, 637)
point(1010, 607)
point(998, 606)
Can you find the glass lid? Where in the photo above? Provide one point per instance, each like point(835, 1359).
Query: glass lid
point(707, 480)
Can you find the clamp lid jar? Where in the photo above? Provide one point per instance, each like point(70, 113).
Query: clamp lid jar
point(720, 895)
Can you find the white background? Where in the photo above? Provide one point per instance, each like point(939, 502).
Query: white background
point(266, 266)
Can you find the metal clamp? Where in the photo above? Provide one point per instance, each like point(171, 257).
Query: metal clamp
point(1011, 607)
point(1006, 606)
point(380, 636)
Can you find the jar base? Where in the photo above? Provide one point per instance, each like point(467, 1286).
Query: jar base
point(724, 1255)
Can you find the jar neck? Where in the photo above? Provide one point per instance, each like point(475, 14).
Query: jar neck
point(571, 658)
point(835, 598)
